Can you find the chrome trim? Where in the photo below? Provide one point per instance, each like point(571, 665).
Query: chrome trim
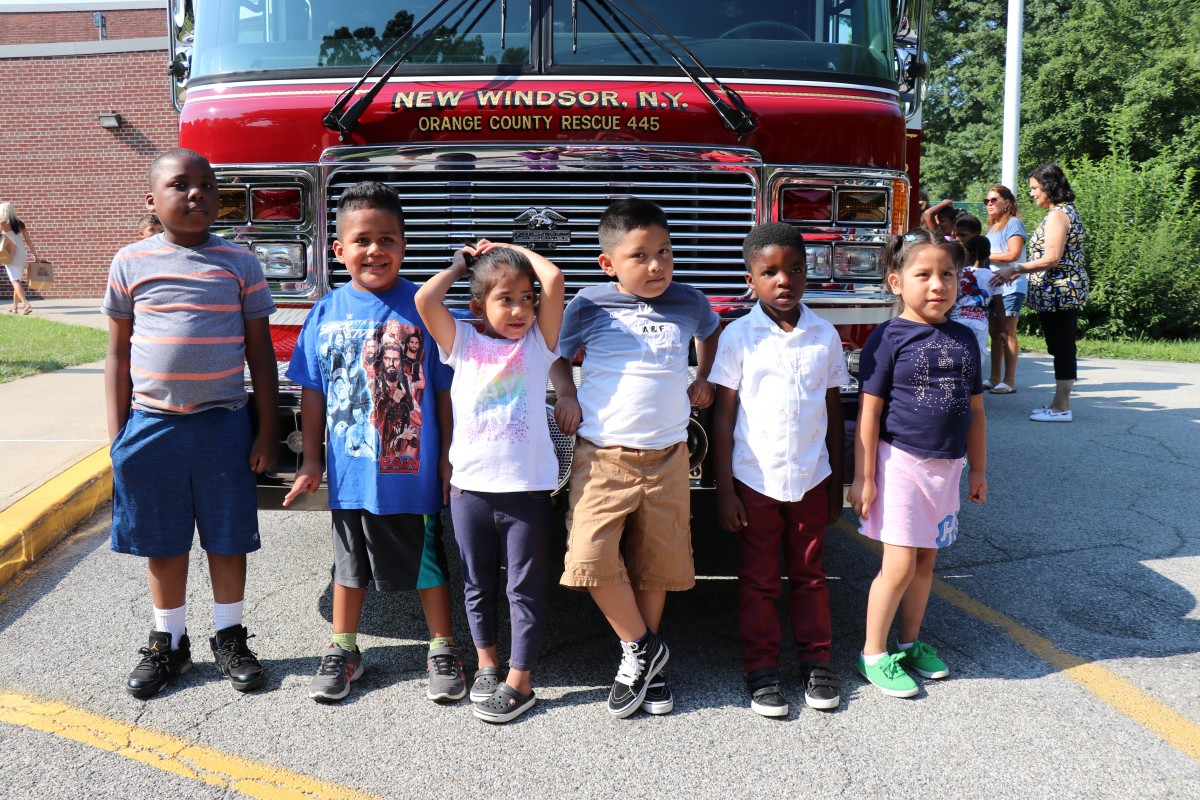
point(306, 231)
point(870, 233)
point(457, 194)
point(220, 88)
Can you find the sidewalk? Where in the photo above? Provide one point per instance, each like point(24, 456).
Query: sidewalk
point(53, 434)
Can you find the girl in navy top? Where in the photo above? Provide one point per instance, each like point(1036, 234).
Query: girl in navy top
point(920, 413)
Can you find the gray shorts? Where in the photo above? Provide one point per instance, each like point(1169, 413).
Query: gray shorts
point(397, 551)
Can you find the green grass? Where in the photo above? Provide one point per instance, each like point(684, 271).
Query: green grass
point(1141, 349)
point(29, 345)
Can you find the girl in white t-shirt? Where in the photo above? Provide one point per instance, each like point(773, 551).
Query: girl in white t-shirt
point(501, 454)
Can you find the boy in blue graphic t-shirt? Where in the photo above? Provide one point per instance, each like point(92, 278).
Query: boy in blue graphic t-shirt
point(372, 379)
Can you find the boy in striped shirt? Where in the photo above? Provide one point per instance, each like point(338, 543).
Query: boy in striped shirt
point(187, 310)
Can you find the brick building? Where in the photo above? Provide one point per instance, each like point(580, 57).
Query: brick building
point(80, 187)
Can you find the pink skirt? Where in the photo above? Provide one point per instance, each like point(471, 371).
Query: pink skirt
point(917, 501)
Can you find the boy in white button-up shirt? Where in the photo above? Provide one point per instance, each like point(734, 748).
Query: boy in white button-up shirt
point(778, 459)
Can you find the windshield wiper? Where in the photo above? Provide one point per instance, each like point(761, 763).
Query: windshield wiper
point(735, 114)
point(335, 120)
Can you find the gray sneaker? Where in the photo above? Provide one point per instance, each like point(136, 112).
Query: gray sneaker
point(446, 680)
point(338, 668)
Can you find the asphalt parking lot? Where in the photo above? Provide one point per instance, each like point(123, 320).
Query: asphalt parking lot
point(1067, 611)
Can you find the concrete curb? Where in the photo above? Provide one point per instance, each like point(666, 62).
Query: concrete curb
point(37, 521)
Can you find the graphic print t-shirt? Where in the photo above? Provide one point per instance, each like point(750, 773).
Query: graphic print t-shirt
point(501, 442)
point(635, 362)
point(926, 375)
point(372, 358)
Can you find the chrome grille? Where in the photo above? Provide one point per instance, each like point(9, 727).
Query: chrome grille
point(452, 197)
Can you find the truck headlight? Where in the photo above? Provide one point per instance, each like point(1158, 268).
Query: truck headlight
point(817, 257)
point(863, 206)
point(281, 261)
point(282, 204)
point(806, 204)
point(857, 261)
point(231, 204)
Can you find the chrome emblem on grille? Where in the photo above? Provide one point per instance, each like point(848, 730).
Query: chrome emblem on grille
point(540, 229)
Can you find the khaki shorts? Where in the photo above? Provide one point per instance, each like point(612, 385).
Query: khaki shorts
point(640, 496)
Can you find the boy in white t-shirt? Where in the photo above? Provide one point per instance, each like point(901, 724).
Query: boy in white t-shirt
point(629, 481)
point(778, 439)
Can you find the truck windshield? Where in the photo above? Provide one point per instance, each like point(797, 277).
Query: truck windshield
point(732, 37)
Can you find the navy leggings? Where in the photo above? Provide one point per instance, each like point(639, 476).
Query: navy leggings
point(498, 533)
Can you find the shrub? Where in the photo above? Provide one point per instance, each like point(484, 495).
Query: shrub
point(1142, 245)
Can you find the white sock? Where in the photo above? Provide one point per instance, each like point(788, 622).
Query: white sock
point(873, 660)
point(172, 621)
point(904, 646)
point(227, 614)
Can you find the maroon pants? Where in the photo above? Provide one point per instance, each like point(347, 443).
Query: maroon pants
point(800, 526)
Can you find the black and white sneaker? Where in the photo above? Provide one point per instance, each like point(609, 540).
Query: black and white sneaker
point(821, 685)
point(159, 664)
point(766, 695)
point(659, 699)
point(638, 666)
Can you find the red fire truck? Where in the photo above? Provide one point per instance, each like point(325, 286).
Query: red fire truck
point(520, 120)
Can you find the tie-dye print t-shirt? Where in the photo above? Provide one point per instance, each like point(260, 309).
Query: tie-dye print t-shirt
point(501, 439)
point(926, 375)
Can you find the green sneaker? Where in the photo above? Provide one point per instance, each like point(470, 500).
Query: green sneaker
point(923, 660)
point(888, 676)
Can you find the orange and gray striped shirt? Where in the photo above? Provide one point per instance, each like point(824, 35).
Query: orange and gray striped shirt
point(188, 306)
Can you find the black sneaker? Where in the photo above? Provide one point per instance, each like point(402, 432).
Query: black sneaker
point(821, 685)
point(638, 666)
point(766, 695)
point(159, 664)
point(235, 660)
point(659, 699)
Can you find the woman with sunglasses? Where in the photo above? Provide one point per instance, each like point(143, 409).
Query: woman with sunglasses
point(1007, 237)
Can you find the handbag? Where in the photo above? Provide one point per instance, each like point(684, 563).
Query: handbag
point(41, 276)
point(7, 251)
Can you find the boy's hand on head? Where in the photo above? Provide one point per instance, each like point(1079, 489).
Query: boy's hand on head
point(730, 511)
point(459, 262)
point(263, 452)
point(567, 414)
point(308, 480)
point(977, 486)
point(701, 393)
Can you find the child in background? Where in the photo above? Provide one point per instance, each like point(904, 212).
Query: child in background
point(940, 218)
point(629, 520)
point(503, 461)
point(385, 496)
point(966, 227)
point(183, 453)
point(920, 412)
point(148, 225)
point(778, 439)
point(974, 280)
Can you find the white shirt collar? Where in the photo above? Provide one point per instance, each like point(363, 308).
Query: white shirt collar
point(759, 319)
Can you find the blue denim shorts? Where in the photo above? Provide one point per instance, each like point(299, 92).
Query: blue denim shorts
point(174, 474)
point(1012, 304)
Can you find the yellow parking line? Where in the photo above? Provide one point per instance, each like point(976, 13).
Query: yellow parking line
point(169, 753)
point(1166, 723)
